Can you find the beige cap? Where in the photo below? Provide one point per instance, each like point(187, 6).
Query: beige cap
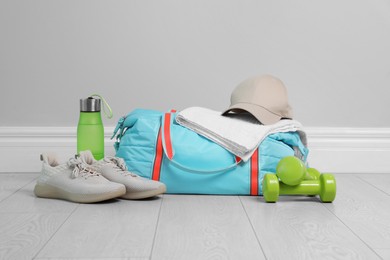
point(265, 97)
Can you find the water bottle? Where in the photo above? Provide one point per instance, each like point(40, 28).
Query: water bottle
point(90, 130)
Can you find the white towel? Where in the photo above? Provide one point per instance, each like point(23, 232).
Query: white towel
point(240, 134)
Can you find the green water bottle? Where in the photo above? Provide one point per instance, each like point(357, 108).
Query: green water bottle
point(90, 130)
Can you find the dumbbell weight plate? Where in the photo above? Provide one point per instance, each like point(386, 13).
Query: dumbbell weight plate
point(312, 174)
point(270, 187)
point(328, 187)
point(291, 170)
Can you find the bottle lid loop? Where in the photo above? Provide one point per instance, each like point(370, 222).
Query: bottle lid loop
point(105, 104)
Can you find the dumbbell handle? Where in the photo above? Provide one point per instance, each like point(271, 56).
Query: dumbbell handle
point(306, 187)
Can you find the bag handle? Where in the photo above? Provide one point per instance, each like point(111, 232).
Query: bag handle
point(167, 121)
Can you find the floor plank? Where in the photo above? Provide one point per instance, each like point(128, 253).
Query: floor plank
point(356, 225)
point(384, 253)
point(301, 228)
point(380, 181)
point(204, 227)
point(11, 182)
point(24, 200)
point(364, 209)
point(93, 258)
point(23, 235)
point(113, 229)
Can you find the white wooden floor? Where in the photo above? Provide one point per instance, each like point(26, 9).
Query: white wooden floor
point(355, 226)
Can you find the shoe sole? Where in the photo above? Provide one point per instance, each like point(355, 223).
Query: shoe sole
point(144, 194)
point(48, 191)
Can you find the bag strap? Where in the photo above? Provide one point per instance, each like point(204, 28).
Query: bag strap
point(158, 158)
point(254, 173)
point(167, 146)
point(167, 141)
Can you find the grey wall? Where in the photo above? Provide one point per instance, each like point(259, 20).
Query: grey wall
point(333, 56)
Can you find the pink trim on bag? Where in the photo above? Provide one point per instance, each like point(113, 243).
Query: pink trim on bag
point(254, 174)
point(167, 135)
point(159, 146)
point(238, 159)
point(158, 158)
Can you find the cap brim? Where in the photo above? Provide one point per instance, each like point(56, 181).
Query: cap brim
point(265, 116)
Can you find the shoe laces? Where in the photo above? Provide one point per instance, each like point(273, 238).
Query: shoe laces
point(119, 165)
point(80, 169)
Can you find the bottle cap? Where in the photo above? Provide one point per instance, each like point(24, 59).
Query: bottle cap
point(90, 104)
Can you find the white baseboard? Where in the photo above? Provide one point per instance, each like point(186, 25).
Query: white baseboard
point(332, 149)
point(20, 147)
point(349, 150)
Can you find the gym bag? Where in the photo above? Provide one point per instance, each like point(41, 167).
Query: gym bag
point(156, 147)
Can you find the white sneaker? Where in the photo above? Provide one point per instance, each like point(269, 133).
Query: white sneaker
point(73, 181)
point(114, 169)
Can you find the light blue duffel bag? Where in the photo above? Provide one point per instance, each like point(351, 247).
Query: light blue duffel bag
point(156, 147)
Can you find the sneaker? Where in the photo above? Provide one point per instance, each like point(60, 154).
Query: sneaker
point(74, 181)
point(114, 169)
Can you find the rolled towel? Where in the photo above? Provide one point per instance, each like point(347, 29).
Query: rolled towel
point(241, 134)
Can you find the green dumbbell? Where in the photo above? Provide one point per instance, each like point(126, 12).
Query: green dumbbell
point(292, 178)
point(292, 171)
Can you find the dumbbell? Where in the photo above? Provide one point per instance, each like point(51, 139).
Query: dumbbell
point(293, 178)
